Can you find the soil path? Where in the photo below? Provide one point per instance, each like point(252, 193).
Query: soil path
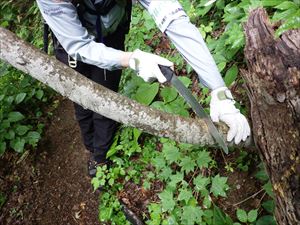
point(58, 191)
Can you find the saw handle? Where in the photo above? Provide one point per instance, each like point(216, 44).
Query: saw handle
point(167, 72)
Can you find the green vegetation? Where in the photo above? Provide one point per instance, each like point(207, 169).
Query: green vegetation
point(190, 176)
point(22, 98)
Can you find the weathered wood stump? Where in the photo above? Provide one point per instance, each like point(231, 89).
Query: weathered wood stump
point(273, 84)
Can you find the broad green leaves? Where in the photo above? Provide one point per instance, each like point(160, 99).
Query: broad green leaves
point(185, 195)
point(187, 164)
point(201, 182)
point(171, 153)
point(19, 110)
point(266, 220)
point(241, 215)
point(167, 200)
point(146, 93)
point(15, 116)
point(17, 144)
point(168, 94)
point(245, 217)
point(219, 186)
point(231, 75)
point(172, 102)
point(203, 159)
point(20, 97)
point(191, 215)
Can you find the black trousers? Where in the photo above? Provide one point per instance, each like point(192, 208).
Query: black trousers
point(97, 131)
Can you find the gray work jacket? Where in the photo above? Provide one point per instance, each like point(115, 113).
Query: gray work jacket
point(79, 41)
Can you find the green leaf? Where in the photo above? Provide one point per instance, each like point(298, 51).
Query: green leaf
point(269, 189)
point(292, 23)
point(189, 69)
point(146, 93)
point(241, 215)
point(220, 218)
point(21, 129)
point(220, 4)
point(175, 179)
point(168, 94)
point(203, 159)
point(269, 206)
point(185, 80)
point(10, 135)
point(39, 94)
point(2, 148)
point(171, 153)
point(219, 186)
point(167, 200)
point(262, 175)
point(136, 134)
point(106, 213)
point(271, 2)
point(231, 75)
point(159, 105)
point(207, 202)
point(252, 215)
point(191, 215)
point(5, 124)
point(20, 97)
point(155, 213)
point(15, 116)
point(171, 220)
point(4, 24)
point(221, 66)
point(33, 137)
point(165, 173)
point(96, 183)
point(284, 14)
point(159, 162)
point(113, 148)
point(18, 144)
point(201, 182)
point(286, 5)
point(266, 220)
point(187, 164)
point(185, 194)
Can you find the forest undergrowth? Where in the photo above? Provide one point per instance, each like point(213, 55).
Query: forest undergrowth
point(161, 181)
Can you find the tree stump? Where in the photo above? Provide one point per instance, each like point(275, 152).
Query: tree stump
point(273, 85)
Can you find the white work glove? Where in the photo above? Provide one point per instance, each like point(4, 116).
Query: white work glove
point(146, 65)
point(222, 109)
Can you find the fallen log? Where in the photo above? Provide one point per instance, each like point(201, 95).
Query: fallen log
point(95, 97)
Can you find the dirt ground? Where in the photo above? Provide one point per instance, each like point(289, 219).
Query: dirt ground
point(50, 186)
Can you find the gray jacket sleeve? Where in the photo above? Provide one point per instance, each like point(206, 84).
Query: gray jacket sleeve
point(63, 20)
point(192, 47)
point(189, 42)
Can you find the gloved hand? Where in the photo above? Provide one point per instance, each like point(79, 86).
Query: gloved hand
point(222, 108)
point(146, 65)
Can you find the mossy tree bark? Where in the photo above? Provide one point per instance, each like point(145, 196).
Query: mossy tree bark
point(273, 83)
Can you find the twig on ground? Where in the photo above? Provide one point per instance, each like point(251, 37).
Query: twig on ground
point(246, 199)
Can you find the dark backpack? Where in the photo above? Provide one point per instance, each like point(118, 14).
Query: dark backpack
point(102, 7)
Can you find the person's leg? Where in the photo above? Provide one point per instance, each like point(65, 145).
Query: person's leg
point(105, 128)
point(83, 116)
